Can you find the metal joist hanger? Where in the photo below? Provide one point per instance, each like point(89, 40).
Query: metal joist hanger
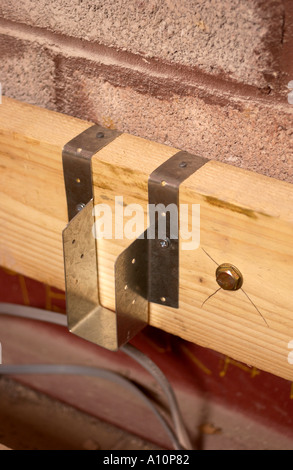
point(147, 271)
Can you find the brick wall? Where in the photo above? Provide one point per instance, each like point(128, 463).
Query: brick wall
point(202, 75)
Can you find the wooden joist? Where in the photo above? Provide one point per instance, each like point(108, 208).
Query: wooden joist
point(246, 220)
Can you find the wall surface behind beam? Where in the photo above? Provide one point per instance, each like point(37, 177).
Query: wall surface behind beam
point(206, 76)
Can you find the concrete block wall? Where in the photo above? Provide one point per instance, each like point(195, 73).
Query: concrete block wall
point(206, 76)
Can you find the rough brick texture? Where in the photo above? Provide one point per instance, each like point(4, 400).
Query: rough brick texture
point(234, 37)
point(206, 76)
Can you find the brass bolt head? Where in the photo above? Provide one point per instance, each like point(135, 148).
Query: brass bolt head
point(229, 277)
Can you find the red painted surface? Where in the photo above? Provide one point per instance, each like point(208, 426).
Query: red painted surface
point(189, 367)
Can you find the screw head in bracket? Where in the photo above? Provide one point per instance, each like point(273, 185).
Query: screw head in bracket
point(229, 277)
point(79, 207)
point(164, 243)
point(100, 135)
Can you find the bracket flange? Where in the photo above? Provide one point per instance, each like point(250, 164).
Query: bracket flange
point(77, 168)
point(163, 259)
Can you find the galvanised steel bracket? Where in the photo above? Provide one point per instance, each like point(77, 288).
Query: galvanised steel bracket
point(163, 259)
point(86, 317)
point(147, 271)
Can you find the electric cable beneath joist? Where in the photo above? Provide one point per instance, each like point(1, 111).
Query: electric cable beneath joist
point(180, 441)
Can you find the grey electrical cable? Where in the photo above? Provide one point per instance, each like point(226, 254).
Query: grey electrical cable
point(65, 369)
point(33, 313)
point(131, 351)
point(159, 376)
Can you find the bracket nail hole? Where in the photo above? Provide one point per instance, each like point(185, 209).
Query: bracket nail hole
point(79, 150)
point(163, 299)
point(133, 260)
point(163, 183)
point(133, 302)
point(125, 287)
point(77, 180)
